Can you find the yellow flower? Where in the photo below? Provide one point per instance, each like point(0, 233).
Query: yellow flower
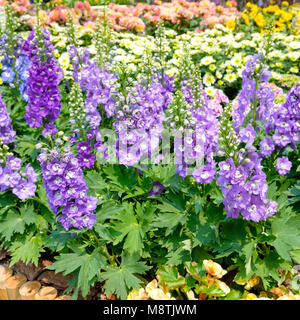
point(230, 24)
point(285, 3)
point(251, 296)
point(289, 297)
point(223, 286)
point(190, 295)
point(220, 82)
point(138, 295)
point(212, 67)
point(156, 293)
point(214, 269)
point(1, 81)
point(252, 282)
point(241, 281)
point(260, 21)
point(245, 18)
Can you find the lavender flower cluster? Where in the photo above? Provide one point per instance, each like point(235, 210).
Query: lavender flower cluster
point(254, 96)
point(44, 78)
point(65, 186)
point(139, 116)
point(284, 122)
point(22, 184)
point(244, 187)
point(7, 133)
point(197, 130)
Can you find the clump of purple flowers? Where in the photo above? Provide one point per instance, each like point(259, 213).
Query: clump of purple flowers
point(7, 133)
point(22, 183)
point(44, 78)
point(244, 187)
point(196, 131)
point(284, 123)
point(138, 122)
point(255, 99)
point(65, 185)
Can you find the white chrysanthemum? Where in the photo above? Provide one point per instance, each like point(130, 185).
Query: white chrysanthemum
point(207, 60)
point(208, 79)
point(64, 60)
point(230, 77)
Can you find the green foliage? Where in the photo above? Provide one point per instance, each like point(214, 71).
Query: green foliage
point(120, 279)
point(87, 265)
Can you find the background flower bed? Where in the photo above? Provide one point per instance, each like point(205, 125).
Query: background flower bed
point(153, 217)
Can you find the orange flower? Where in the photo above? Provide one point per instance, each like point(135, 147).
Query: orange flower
point(214, 269)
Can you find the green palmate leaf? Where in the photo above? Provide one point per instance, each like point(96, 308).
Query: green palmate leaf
point(287, 233)
point(179, 256)
point(247, 251)
point(268, 267)
point(294, 193)
point(295, 254)
point(28, 214)
point(7, 199)
point(171, 214)
point(28, 249)
point(120, 280)
point(12, 223)
point(57, 239)
point(130, 228)
point(95, 182)
point(109, 210)
point(233, 238)
point(119, 180)
point(89, 265)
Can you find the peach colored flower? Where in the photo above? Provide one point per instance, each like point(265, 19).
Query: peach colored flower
point(214, 269)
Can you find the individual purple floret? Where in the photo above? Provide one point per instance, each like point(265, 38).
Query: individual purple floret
point(157, 189)
point(283, 165)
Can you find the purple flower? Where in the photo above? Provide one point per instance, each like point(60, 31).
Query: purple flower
point(66, 189)
point(247, 135)
point(49, 129)
point(31, 174)
point(13, 163)
point(72, 52)
point(24, 189)
point(283, 165)
point(44, 77)
point(267, 146)
point(271, 209)
point(227, 167)
point(204, 174)
point(86, 160)
point(157, 189)
point(83, 147)
point(7, 133)
point(239, 197)
point(255, 210)
point(238, 175)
